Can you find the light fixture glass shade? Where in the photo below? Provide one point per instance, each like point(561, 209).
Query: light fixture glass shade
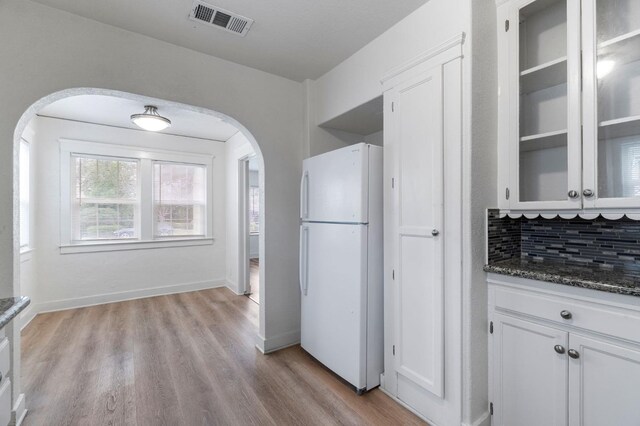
point(150, 119)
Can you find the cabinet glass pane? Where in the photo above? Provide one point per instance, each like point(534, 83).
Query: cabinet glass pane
point(618, 76)
point(543, 162)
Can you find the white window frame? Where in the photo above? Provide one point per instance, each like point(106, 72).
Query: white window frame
point(25, 247)
point(146, 158)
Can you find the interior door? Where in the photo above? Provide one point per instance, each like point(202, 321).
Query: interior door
point(603, 383)
point(530, 373)
point(334, 294)
point(417, 231)
point(334, 186)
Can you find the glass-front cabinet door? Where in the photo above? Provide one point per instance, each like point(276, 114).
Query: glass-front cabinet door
point(545, 159)
point(611, 66)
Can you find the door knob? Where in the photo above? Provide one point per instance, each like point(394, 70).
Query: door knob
point(587, 193)
point(559, 349)
point(573, 194)
point(573, 354)
point(566, 315)
point(435, 232)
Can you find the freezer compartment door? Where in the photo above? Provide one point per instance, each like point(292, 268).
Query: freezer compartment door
point(334, 298)
point(334, 186)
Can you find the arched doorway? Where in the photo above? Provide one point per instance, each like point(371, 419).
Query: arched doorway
point(161, 104)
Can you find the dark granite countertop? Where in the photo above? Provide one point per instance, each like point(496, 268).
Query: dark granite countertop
point(575, 276)
point(10, 307)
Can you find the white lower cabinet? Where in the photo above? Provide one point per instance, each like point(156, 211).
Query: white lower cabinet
point(604, 383)
point(5, 402)
point(547, 370)
point(533, 376)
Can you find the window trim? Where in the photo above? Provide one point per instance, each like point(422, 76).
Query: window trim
point(146, 158)
point(28, 246)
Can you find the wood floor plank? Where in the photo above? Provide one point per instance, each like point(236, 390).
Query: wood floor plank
point(185, 359)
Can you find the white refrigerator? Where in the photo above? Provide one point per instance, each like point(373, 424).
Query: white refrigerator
point(341, 263)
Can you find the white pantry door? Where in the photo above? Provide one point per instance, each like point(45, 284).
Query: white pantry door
point(417, 141)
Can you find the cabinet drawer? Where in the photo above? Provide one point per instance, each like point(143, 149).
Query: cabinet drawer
point(5, 356)
point(616, 322)
point(5, 402)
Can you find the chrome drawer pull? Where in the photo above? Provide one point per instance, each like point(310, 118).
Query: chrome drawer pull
point(566, 315)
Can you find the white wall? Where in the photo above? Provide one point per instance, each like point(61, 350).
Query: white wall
point(236, 149)
point(80, 279)
point(357, 79)
point(480, 165)
point(45, 51)
point(29, 257)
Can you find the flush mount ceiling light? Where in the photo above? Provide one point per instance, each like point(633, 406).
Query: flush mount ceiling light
point(150, 119)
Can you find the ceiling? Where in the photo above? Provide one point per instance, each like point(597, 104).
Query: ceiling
point(113, 111)
point(296, 39)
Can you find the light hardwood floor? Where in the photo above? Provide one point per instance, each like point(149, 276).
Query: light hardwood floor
point(186, 359)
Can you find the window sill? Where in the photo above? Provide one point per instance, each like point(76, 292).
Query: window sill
point(94, 247)
point(254, 234)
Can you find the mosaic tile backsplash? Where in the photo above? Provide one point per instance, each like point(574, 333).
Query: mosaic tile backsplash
point(602, 243)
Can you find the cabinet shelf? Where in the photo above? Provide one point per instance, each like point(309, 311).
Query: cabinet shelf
point(543, 141)
point(549, 74)
point(619, 128)
point(623, 49)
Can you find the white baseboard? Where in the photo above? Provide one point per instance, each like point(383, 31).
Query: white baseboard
point(483, 420)
point(19, 411)
point(100, 299)
point(28, 314)
point(233, 286)
point(281, 341)
point(408, 407)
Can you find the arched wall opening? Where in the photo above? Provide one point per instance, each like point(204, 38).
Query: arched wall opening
point(32, 112)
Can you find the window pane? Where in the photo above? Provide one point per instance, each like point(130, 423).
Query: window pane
point(254, 210)
point(106, 198)
point(24, 193)
point(179, 199)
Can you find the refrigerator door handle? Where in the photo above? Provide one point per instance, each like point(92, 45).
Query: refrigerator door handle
point(304, 195)
point(304, 242)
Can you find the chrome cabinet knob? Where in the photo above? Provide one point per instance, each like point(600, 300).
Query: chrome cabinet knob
point(573, 194)
point(566, 315)
point(559, 349)
point(435, 232)
point(573, 354)
point(587, 193)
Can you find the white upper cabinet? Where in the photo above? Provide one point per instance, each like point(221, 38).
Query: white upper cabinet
point(569, 118)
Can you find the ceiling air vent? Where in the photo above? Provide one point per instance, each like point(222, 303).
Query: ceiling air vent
point(220, 18)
